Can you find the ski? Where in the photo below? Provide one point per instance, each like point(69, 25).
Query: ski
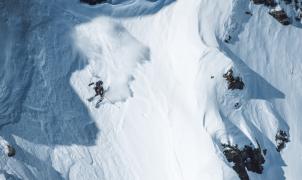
point(99, 102)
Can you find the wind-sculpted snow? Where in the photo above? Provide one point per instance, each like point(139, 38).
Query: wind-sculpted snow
point(13, 61)
point(37, 103)
point(40, 111)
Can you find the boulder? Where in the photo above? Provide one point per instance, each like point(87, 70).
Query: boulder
point(10, 151)
point(281, 16)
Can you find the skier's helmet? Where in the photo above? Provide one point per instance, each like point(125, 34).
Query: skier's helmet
point(99, 83)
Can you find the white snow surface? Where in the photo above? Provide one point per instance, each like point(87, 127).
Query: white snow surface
point(163, 117)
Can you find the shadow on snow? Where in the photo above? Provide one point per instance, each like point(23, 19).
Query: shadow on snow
point(37, 102)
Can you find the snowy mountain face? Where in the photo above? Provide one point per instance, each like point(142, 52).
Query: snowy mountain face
point(194, 89)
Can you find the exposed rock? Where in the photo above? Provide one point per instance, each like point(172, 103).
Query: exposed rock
point(237, 105)
point(248, 13)
point(284, 11)
point(271, 3)
point(10, 151)
point(233, 82)
point(281, 16)
point(93, 2)
point(248, 158)
point(264, 151)
point(227, 39)
point(281, 139)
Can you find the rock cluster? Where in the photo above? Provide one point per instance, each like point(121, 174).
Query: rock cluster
point(281, 139)
point(271, 3)
point(245, 159)
point(233, 82)
point(10, 151)
point(277, 10)
point(281, 16)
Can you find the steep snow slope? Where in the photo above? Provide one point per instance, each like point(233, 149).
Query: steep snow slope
point(156, 58)
point(278, 61)
point(267, 55)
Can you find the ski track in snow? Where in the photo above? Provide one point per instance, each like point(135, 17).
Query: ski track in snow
point(168, 116)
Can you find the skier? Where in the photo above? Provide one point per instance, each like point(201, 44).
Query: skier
point(99, 91)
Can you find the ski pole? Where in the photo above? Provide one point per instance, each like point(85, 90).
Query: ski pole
point(111, 102)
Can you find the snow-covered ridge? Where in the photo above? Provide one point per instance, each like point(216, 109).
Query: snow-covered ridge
point(168, 106)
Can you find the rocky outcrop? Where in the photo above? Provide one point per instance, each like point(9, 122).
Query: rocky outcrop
point(10, 151)
point(271, 3)
point(276, 10)
point(245, 159)
point(281, 139)
point(284, 10)
point(233, 82)
point(281, 16)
